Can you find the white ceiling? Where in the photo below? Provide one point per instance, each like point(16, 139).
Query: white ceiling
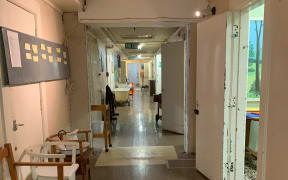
point(67, 5)
point(150, 46)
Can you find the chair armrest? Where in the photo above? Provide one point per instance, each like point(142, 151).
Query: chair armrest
point(86, 132)
point(43, 164)
point(64, 142)
point(72, 143)
point(49, 156)
point(59, 165)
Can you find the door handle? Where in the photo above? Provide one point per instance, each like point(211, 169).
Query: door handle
point(15, 125)
point(196, 111)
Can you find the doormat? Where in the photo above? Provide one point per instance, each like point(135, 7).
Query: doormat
point(147, 155)
point(181, 163)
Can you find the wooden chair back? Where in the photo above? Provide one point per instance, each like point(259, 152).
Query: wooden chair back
point(7, 153)
point(59, 138)
point(83, 158)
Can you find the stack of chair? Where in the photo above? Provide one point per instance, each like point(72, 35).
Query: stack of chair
point(83, 153)
point(59, 170)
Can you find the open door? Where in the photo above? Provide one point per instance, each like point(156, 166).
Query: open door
point(133, 73)
point(173, 86)
point(213, 95)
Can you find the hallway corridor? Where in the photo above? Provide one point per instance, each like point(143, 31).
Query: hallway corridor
point(136, 141)
point(136, 124)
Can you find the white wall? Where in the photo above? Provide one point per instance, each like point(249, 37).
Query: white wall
point(76, 43)
point(110, 68)
point(274, 95)
point(141, 10)
point(96, 79)
point(49, 27)
point(191, 128)
point(225, 5)
point(123, 71)
point(55, 102)
point(88, 79)
point(158, 73)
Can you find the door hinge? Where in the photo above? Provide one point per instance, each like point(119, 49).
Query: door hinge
point(235, 31)
point(233, 102)
point(230, 167)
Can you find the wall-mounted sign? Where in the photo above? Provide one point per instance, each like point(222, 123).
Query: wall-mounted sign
point(131, 45)
point(28, 59)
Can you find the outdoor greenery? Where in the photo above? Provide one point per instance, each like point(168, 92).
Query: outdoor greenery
point(252, 93)
point(255, 58)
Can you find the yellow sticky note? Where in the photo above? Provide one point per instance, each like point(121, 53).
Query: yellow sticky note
point(64, 55)
point(65, 62)
point(35, 48)
point(51, 59)
point(27, 46)
point(49, 49)
point(28, 56)
point(59, 59)
point(58, 50)
point(43, 47)
point(35, 58)
point(44, 56)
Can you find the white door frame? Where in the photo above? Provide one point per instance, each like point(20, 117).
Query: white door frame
point(265, 86)
point(189, 143)
point(241, 50)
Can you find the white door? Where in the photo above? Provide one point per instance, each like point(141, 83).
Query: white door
point(21, 103)
point(213, 97)
point(173, 110)
point(133, 73)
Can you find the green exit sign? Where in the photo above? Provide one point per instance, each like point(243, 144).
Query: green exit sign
point(131, 45)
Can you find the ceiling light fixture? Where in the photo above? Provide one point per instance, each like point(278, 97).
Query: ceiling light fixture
point(140, 46)
point(197, 13)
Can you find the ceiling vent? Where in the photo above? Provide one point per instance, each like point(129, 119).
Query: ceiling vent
point(146, 36)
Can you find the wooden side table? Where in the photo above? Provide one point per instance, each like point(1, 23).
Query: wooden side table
point(107, 125)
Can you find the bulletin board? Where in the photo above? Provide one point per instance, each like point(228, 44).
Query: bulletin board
point(28, 59)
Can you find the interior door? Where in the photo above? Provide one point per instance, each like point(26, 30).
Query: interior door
point(173, 104)
point(21, 103)
point(212, 94)
point(133, 73)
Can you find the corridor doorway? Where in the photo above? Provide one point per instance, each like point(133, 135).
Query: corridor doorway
point(144, 56)
point(252, 26)
point(133, 73)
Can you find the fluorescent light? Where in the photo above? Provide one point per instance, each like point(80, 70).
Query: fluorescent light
point(197, 13)
point(139, 56)
point(140, 46)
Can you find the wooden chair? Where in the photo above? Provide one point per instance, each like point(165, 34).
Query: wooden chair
point(107, 125)
point(158, 98)
point(7, 153)
point(83, 152)
point(40, 154)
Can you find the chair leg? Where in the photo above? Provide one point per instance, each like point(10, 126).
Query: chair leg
point(106, 142)
point(83, 169)
point(89, 174)
point(110, 142)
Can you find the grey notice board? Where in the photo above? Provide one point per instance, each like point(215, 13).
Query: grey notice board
point(39, 61)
